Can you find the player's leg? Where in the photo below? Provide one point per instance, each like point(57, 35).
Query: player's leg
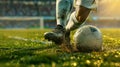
point(63, 8)
point(78, 17)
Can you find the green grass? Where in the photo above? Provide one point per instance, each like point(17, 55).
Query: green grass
point(18, 53)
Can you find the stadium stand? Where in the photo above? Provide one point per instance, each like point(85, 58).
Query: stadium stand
point(29, 9)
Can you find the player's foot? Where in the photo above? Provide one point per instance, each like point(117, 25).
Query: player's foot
point(56, 35)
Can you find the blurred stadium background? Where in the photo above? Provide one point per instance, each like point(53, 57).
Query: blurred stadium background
point(40, 14)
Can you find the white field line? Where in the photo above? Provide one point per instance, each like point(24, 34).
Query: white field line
point(30, 40)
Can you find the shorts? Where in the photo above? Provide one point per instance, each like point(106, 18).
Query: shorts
point(86, 3)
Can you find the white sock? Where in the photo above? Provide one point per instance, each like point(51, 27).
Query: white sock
point(63, 8)
point(73, 23)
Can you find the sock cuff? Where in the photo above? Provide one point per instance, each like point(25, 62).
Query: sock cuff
point(74, 18)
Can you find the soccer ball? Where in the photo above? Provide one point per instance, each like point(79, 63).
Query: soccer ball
point(88, 38)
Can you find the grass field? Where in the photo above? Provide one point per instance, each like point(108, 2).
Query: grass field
point(21, 53)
